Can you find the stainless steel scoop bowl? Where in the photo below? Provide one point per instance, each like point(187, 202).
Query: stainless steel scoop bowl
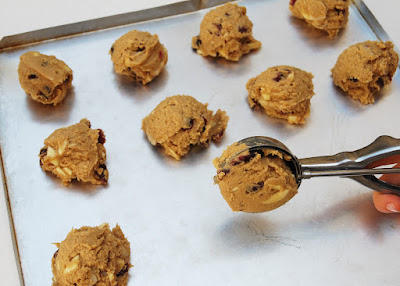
point(345, 164)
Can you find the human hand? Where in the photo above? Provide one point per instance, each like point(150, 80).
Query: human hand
point(387, 203)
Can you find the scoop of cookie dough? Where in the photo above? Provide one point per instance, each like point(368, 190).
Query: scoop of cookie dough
point(76, 152)
point(327, 15)
point(139, 55)
point(45, 78)
point(92, 256)
point(181, 121)
point(254, 181)
point(283, 92)
point(364, 68)
point(226, 32)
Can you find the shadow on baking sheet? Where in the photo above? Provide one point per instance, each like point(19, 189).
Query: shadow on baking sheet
point(253, 232)
point(48, 112)
point(313, 35)
point(356, 106)
point(129, 87)
point(83, 188)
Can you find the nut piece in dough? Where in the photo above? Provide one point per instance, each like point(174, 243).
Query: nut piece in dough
point(283, 92)
point(327, 15)
point(181, 121)
point(92, 256)
point(76, 152)
point(45, 78)
point(254, 181)
point(225, 32)
point(139, 55)
point(364, 68)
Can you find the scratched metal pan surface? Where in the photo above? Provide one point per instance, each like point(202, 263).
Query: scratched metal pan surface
point(181, 230)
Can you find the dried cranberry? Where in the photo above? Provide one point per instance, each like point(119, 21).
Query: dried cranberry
point(191, 121)
point(380, 82)
point(55, 254)
point(102, 137)
point(226, 171)
point(198, 42)
point(160, 54)
point(242, 158)
point(256, 187)
point(292, 2)
point(242, 29)
point(124, 270)
point(278, 77)
point(353, 79)
point(219, 26)
point(339, 11)
point(112, 49)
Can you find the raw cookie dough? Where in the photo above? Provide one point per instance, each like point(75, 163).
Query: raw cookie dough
point(364, 68)
point(283, 92)
point(181, 121)
point(139, 55)
point(226, 32)
point(92, 256)
point(255, 181)
point(45, 78)
point(76, 152)
point(327, 15)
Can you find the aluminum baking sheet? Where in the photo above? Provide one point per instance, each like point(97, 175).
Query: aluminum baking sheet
point(181, 230)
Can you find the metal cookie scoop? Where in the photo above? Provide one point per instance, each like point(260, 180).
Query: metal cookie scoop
point(344, 164)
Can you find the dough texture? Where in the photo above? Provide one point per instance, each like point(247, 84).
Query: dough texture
point(45, 79)
point(364, 68)
point(139, 55)
point(254, 181)
point(283, 92)
point(225, 32)
point(327, 15)
point(76, 152)
point(92, 256)
point(181, 121)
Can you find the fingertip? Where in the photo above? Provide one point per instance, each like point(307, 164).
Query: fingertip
point(386, 203)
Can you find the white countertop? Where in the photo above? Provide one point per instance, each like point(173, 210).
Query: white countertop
point(43, 13)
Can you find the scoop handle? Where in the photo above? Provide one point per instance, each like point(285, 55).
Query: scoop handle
point(383, 147)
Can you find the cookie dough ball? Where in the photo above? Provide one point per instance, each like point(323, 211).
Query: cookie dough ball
point(327, 15)
point(139, 55)
point(283, 92)
point(92, 256)
point(225, 32)
point(45, 78)
point(254, 181)
point(364, 68)
point(181, 121)
point(76, 152)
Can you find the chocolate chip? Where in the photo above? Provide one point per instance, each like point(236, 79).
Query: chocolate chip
point(380, 82)
point(205, 123)
point(139, 49)
point(227, 14)
point(102, 137)
point(124, 270)
point(112, 49)
point(242, 29)
point(353, 79)
point(42, 94)
point(32, 76)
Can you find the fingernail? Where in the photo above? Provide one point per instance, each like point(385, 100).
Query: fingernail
point(390, 207)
